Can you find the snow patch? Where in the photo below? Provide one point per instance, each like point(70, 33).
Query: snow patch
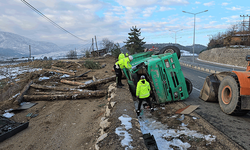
point(161, 133)
point(123, 131)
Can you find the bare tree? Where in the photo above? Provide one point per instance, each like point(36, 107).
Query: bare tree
point(107, 44)
point(72, 54)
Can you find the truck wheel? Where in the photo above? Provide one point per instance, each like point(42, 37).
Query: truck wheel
point(171, 49)
point(229, 96)
point(189, 86)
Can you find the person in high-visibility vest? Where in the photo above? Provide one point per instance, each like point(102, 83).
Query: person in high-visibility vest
point(142, 93)
point(121, 56)
point(119, 65)
point(126, 54)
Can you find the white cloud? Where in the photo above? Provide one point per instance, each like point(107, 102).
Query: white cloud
point(136, 3)
point(225, 4)
point(174, 2)
point(231, 19)
point(209, 3)
point(219, 26)
point(197, 2)
point(166, 8)
point(79, 1)
point(234, 8)
point(148, 11)
point(212, 22)
point(118, 10)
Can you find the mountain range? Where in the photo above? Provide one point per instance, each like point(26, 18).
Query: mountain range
point(13, 45)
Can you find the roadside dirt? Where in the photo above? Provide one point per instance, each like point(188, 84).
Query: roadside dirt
point(76, 124)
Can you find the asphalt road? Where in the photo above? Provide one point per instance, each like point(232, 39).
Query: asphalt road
point(235, 127)
point(211, 65)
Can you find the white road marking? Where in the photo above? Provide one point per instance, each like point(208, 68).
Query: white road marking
point(201, 77)
point(196, 89)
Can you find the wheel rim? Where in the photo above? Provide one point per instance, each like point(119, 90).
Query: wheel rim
point(169, 51)
point(226, 94)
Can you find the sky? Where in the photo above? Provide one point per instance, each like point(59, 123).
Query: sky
point(160, 21)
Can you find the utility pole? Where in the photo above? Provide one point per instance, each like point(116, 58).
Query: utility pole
point(245, 23)
point(96, 46)
point(75, 53)
point(30, 51)
point(194, 27)
point(175, 33)
point(92, 46)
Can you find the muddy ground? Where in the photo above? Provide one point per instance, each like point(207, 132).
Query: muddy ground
point(75, 124)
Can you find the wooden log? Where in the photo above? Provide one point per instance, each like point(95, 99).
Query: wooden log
point(58, 71)
point(19, 98)
point(57, 68)
point(78, 64)
point(100, 81)
point(69, 66)
point(59, 79)
point(57, 93)
point(84, 73)
point(84, 94)
point(37, 86)
point(71, 82)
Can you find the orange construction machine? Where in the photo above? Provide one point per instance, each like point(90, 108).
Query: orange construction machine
point(231, 89)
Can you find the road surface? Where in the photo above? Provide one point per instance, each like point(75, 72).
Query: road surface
point(235, 127)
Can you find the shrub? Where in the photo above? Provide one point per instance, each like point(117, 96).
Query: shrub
point(92, 65)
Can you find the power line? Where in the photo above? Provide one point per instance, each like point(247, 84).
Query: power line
point(51, 21)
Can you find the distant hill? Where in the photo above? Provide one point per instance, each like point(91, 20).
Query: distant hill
point(198, 48)
point(13, 45)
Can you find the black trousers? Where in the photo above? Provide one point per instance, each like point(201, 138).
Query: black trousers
point(118, 73)
point(144, 99)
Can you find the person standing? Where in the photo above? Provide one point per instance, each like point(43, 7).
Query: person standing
point(121, 56)
point(142, 93)
point(119, 65)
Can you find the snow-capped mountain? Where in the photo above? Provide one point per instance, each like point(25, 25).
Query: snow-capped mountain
point(16, 45)
point(13, 45)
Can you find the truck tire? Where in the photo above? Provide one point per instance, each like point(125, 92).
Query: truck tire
point(229, 96)
point(189, 86)
point(171, 49)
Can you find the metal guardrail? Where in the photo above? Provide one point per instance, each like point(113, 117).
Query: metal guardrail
point(202, 67)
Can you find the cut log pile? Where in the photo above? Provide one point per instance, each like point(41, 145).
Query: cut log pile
point(78, 89)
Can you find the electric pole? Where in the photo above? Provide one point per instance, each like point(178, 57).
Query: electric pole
point(30, 51)
point(96, 46)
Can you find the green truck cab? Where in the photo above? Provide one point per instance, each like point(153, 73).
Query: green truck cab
point(164, 74)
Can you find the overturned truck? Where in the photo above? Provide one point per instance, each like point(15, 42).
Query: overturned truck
point(163, 71)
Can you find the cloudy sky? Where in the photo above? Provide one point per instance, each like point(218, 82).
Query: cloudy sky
point(161, 21)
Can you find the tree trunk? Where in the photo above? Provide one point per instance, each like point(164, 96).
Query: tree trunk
point(70, 96)
point(57, 93)
point(61, 69)
point(58, 71)
point(100, 81)
point(19, 98)
point(84, 73)
point(72, 82)
point(37, 86)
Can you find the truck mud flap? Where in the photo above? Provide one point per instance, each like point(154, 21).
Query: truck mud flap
point(150, 142)
point(10, 128)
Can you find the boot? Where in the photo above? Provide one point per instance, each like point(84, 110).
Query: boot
point(138, 112)
point(120, 84)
